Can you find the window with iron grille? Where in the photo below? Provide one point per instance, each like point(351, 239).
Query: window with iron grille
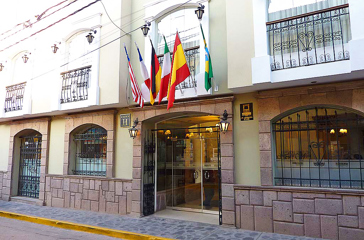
point(319, 147)
point(308, 34)
point(189, 32)
point(14, 97)
point(75, 84)
point(193, 61)
point(91, 148)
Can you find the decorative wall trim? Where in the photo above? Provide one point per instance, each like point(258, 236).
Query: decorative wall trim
point(273, 103)
point(40, 125)
point(214, 106)
point(105, 119)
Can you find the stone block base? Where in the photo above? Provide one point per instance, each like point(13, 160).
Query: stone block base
point(310, 212)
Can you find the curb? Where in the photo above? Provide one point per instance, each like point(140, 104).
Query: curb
point(81, 227)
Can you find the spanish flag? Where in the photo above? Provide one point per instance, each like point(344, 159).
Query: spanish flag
point(180, 70)
point(156, 75)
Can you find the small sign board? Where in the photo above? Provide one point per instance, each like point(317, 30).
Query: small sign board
point(246, 111)
point(125, 120)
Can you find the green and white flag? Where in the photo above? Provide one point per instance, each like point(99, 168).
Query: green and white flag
point(208, 65)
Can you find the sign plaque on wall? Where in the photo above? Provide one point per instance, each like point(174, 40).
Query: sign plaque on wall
point(246, 111)
point(125, 120)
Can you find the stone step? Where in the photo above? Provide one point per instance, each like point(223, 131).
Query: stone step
point(27, 200)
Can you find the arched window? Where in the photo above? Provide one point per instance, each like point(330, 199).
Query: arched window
point(21, 70)
point(188, 26)
point(78, 46)
point(319, 147)
point(89, 150)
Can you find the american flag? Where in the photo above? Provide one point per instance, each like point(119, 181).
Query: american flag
point(137, 94)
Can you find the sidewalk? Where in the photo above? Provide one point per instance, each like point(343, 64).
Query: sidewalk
point(155, 226)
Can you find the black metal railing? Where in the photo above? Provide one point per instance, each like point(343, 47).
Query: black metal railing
point(29, 166)
point(75, 84)
point(193, 61)
point(319, 147)
point(309, 39)
point(91, 152)
point(14, 97)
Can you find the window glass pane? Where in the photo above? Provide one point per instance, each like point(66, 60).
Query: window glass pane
point(319, 147)
point(91, 147)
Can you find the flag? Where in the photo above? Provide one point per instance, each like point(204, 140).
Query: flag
point(208, 65)
point(137, 94)
point(155, 76)
point(166, 72)
point(144, 72)
point(180, 70)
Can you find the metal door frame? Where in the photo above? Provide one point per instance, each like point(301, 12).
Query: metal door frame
point(32, 154)
point(150, 152)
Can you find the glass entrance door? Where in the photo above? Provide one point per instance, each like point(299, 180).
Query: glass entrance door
point(188, 159)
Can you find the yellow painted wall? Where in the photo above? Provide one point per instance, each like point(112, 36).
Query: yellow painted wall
point(123, 150)
point(56, 146)
point(246, 143)
point(4, 146)
point(240, 36)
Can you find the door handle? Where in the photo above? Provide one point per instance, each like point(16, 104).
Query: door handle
point(207, 175)
point(195, 175)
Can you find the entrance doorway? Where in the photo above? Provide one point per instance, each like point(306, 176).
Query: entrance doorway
point(29, 166)
point(183, 155)
point(188, 160)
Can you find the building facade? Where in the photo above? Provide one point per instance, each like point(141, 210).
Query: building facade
point(288, 76)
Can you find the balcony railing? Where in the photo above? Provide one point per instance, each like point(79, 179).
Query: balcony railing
point(193, 61)
point(75, 84)
point(309, 39)
point(14, 97)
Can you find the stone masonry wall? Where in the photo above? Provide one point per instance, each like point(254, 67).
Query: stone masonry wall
point(2, 180)
point(89, 193)
point(317, 213)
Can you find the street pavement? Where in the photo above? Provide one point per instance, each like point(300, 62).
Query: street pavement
point(11, 229)
point(151, 225)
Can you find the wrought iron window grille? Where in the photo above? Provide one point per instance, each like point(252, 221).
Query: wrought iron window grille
point(193, 60)
point(309, 39)
point(91, 148)
point(75, 84)
point(29, 167)
point(14, 97)
point(311, 151)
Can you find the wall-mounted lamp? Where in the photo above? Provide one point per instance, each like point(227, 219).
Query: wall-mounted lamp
point(90, 37)
point(224, 124)
point(55, 48)
point(200, 11)
point(145, 28)
point(1, 67)
point(133, 131)
point(25, 58)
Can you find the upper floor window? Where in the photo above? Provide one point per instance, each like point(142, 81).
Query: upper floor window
point(14, 97)
point(21, 70)
point(78, 46)
point(319, 147)
point(308, 32)
point(89, 146)
point(188, 26)
point(76, 81)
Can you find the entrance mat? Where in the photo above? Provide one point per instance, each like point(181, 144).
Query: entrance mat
point(81, 227)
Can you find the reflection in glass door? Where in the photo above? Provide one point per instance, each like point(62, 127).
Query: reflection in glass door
point(187, 162)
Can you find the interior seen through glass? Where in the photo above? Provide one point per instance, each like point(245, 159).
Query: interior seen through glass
point(187, 162)
point(320, 147)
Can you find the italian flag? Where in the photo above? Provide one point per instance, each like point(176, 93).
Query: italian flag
point(166, 72)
